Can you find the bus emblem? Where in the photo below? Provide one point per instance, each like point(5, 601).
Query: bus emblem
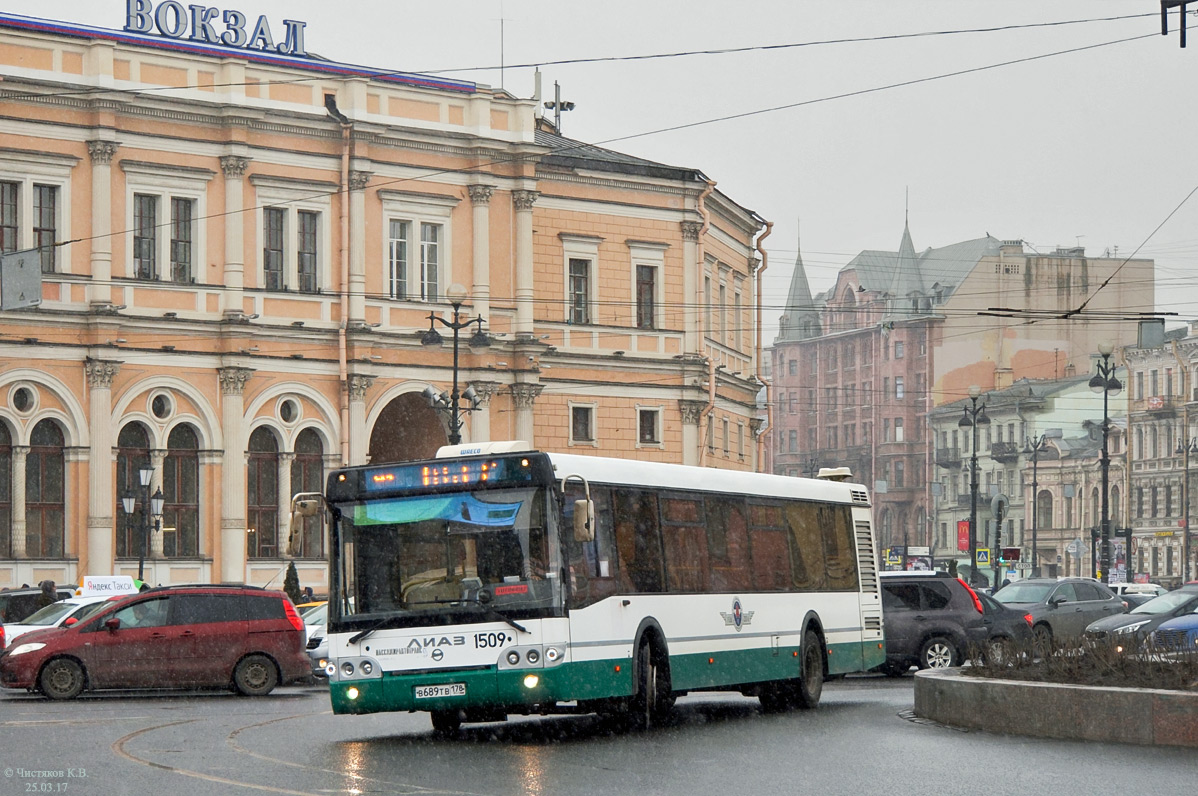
point(739, 617)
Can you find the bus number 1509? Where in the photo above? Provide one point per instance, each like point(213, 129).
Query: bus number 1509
point(488, 640)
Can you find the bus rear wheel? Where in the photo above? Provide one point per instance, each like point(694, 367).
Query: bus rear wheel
point(811, 678)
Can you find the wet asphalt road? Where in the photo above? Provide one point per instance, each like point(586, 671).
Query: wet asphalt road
point(861, 740)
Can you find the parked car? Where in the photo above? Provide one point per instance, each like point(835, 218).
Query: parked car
point(1006, 629)
point(242, 637)
point(316, 621)
point(16, 604)
point(1179, 634)
point(62, 613)
point(929, 620)
point(1140, 622)
point(1060, 609)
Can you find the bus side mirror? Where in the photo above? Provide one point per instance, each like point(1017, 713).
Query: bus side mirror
point(584, 520)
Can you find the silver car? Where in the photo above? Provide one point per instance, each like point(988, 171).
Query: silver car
point(1060, 609)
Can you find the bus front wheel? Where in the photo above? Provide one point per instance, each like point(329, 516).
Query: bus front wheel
point(652, 702)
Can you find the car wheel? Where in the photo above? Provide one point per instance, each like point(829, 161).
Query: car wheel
point(256, 675)
point(1000, 651)
point(61, 678)
point(1042, 640)
point(938, 652)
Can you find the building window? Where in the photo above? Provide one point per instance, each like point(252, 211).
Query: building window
point(792, 367)
point(182, 211)
point(899, 474)
point(306, 250)
point(898, 387)
point(793, 441)
point(45, 492)
point(646, 290)
point(397, 259)
point(307, 475)
point(736, 319)
point(262, 495)
point(724, 428)
point(723, 315)
point(273, 221)
point(648, 423)
point(181, 490)
point(45, 224)
point(145, 236)
point(133, 453)
point(582, 425)
point(898, 349)
point(898, 429)
point(9, 224)
point(580, 290)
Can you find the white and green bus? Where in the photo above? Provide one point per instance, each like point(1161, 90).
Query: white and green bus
point(497, 580)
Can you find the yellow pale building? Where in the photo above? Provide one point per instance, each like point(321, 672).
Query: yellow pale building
point(242, 249)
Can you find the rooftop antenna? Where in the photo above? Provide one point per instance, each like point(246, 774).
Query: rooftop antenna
point(501, 62)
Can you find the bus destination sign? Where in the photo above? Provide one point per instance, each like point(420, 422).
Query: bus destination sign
point(426, 475)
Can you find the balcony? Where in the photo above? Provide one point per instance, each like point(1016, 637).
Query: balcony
point(1004, 451)
point(963, 501)
point(948, 457)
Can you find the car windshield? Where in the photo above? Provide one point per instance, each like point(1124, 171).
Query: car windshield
point(48, 615)
point(1024, 593)
point(1165, 603)
point(317, 615)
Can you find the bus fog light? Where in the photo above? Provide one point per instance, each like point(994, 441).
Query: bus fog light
point(347, 669)
point(552, 654)
point(533, 656)
point(330, 669)
point(367, 667)
point(351, 692)
point(531, 680)
point(513, 658)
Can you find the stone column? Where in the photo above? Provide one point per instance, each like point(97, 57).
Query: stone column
point(480, 294)
point(100, 288)
point(692, 437)
point(692, 280)
point(525, 278)
point(100, 490)
point(480, 419)
point(283, 524)
point(357, 247)
point(359, 437)
point(524, 395)
point(234, 167)
point(233, 475)
point(20, 455)
point(157, 457)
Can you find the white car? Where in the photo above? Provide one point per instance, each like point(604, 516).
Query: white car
point(1151, 589)
point(316, 630)
point(63, 613)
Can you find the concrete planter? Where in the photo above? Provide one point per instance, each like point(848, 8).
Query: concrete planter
point(1143, 716)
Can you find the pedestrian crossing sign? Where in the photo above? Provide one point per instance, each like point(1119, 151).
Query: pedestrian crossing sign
point(983, 556)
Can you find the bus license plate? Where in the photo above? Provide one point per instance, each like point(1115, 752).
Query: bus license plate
point(445, 690)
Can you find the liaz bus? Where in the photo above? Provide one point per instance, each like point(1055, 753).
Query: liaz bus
point(496, 580)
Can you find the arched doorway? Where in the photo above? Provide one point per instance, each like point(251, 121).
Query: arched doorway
point(407, 429)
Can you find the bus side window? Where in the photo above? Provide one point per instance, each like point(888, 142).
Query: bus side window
point(771, 553)
point(685, 536)
point(592, 564)
point(728, 529)
point(807, 545)
point(839, 549)
point(638, 540)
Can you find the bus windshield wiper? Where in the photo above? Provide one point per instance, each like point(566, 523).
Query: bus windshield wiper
point(379, 625)
point(487, 610)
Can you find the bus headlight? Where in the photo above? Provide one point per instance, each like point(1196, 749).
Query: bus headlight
point(552, 654)
point(367, 667)
point(533, 656)
point(513, 658)
point(347, 669)
point(531, 680)
point(330, 669)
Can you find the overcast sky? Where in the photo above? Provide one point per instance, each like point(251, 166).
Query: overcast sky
point(1087, 139)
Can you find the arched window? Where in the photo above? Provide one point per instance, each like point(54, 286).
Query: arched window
point(132, 454)
point(181, 490)
point(262, 496)
point(1115, 506)
point(1095, 507)
point(1044, 510)
point(44, 492)
point(307, 475)
point(5, 492)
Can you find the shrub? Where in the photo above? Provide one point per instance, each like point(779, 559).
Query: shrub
point(291, 583)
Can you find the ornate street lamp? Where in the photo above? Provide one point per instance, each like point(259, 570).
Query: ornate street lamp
point(451, 403)
point(1034, 446)
point(974, 416)
point(1186, 448)
point(129, 502)
point(1104, 382)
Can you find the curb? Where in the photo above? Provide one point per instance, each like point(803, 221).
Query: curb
point(1143, 716)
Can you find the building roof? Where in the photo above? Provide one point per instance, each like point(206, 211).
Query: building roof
point(570, 153)
point(800, 317)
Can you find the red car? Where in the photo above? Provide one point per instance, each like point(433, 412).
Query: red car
point(242, 637)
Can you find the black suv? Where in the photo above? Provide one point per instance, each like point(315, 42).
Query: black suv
point(16, 604)
point(930, 619)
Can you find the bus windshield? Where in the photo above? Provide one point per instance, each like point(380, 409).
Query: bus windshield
point(457, 557)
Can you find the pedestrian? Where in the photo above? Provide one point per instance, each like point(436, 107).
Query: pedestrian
point(309, 595)
point(49, 593)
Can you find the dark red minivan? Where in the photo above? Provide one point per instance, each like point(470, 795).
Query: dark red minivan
point(242, 637)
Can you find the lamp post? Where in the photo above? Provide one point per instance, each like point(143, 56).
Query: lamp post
point(1033, 449)
point(1104, 382)
point(129, 500)
point(974, 416)
point(1185, 448)
point(451, 404)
